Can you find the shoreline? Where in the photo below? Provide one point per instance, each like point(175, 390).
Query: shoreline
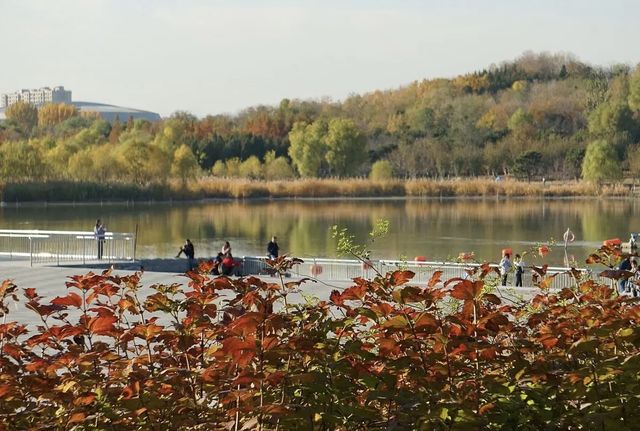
point(153, 202)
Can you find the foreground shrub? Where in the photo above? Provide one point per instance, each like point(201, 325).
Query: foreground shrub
point(381, 354)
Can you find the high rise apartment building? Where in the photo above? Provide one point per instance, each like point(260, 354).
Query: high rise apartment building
point(36, 97)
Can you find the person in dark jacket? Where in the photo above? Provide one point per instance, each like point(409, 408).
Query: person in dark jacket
point(519, 263)
point(189, 252)
point(99, 232)
point(272, 248)
point(625, 265)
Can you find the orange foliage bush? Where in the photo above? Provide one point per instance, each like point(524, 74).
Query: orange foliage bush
point(384, 353)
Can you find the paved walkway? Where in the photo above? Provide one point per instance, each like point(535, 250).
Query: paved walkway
point(49, 281)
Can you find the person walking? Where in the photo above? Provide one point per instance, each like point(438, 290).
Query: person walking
point(505, 267)
point(273, 248)
point(519, 263)
point(99, 231)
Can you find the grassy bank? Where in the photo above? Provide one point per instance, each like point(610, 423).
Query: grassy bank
point(210, 187)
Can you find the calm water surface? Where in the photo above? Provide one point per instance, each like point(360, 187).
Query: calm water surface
point(432, 228)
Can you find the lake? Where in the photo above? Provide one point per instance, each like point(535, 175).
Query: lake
point(436, 229)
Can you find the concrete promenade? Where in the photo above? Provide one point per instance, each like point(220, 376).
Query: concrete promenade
point(49, 280)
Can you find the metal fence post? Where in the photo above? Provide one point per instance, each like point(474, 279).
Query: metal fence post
point(30, 251)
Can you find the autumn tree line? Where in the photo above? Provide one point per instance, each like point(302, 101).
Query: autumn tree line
point(541, 115)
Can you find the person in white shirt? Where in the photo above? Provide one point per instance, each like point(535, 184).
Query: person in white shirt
point(226, 249)
point(505, 267)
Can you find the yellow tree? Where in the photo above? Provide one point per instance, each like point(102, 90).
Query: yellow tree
point(55, 113)
point(24, 115)
point(185, 165)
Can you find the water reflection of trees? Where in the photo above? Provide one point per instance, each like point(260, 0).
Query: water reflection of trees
point(430, 227)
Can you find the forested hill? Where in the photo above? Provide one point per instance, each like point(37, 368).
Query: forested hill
point(539, 115)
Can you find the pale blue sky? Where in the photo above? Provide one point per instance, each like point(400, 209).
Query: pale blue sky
point(210, 57)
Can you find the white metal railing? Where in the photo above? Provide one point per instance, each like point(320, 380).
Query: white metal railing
point(51, 246)
point(345, 269)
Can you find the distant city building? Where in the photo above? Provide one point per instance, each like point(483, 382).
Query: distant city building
point(36, 97)
point(113, 113)
point(45, 95)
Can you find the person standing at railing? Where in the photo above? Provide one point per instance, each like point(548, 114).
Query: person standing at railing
point(505, 267)
point(519, 263)
point(99, 231)
point(273, 248)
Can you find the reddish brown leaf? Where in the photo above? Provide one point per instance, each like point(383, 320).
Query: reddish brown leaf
point(13, 350)
point(435, 279)
point(593, 258)
point(269, 343)
point(100, 325)
point(131, 390)
point(336, 298)
point(148, 331)
point(541, 271)
point(72, 299)
point(490, 297)
point(354, 292)
point(401, 277)
point(4, 390)
point(388, 346)
point(77, 418)
point(485, 408)
point(85, 400)
point(546, 283)
point(548, 341)
point(30, 293)
point(467, 289)
point(383, 309)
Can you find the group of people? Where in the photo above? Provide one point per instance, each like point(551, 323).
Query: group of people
point(224, 263)
point(506, 266)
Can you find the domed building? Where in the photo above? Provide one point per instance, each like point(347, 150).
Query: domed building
point(44, 95)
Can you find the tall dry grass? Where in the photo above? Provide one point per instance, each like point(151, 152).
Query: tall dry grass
point(233, 188)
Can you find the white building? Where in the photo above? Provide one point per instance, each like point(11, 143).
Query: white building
point(37, 97)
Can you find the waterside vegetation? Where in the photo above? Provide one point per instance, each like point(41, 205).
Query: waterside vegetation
point(231, 188)
point(539, 116)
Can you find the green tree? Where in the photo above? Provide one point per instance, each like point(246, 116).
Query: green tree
point(307, 147)
point(20, 161)
point(232, 167)
point(81, 166)
point(633, 158)
point(573, 161)
point(251, 168)
point(600, 162)
point(527, 164)
point(634, 91)
point(381, 170)
point(219, 169)
point(24, 115)
point(346, 147)
point(185, 165)
point(277, 168)
point(611, 118)
point(518, 120)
